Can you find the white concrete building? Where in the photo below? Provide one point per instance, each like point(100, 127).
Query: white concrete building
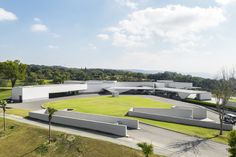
point(40, 92)
point(166, 87)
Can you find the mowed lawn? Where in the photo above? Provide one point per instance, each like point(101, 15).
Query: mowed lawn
point(5, 92)
point(108, 105)
point(232, 99)
point(29, 141)
point(119, 106)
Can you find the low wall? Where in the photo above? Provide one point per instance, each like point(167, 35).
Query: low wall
point(198, 112)
point(185, 113)
point(115, 129)
point(130, 123)
point(185, 121)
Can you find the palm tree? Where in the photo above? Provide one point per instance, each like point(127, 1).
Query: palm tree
point(3, 103)
point(147, 149)
point(51, 111)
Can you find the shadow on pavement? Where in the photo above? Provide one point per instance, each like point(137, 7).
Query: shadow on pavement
point(193, 145)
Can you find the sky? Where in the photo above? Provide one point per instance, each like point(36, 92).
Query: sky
point(196, 36)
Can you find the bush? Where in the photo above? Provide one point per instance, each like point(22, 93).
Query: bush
point(209, 104)
point(232, 143)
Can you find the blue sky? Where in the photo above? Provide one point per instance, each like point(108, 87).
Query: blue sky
point(183, 36)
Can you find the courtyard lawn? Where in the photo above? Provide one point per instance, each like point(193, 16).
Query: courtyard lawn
point(119, 106)
point(114, 106)
point(30, 141)
point(5, 92)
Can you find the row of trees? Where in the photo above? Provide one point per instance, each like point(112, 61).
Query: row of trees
point(39, 74)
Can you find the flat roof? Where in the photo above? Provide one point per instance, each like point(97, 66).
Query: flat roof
point(130, 88)
point(49, 85)
point(181, 90)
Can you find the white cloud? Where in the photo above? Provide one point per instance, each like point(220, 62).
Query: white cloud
point(172, 23)
point(103, 36)
point(36, 19)
point(39, 28)
point(225, 2)
point(128, 3)
point(53, 47)
point(6, 15)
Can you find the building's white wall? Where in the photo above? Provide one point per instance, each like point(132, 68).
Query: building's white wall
point(31, 93)
point(16, 93)
point(179, 85)
point(35, 93)
point(94, 86)
point(134, 84)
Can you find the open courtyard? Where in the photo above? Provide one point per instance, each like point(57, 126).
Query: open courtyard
point(119, 106)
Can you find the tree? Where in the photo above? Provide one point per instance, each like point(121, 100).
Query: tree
point(224, 90)
point(51, 112)
point(147, 149)
point(13, 70)
point(3, 104)
point(232, 143)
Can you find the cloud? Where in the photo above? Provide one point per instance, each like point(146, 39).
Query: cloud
point(225, 2)
point(128, 3)
point(53, 47)
point(36, 19)
point(6, 15)
point(103, 36)
point(39, 28)
point(173, 23)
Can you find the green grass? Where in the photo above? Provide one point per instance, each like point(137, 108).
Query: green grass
point(119, 106)
point(114, 106)
point(5, 92)
point(30, 141)
point(232, 100)
point(18, 112)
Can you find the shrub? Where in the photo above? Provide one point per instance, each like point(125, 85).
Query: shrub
point(232, 143)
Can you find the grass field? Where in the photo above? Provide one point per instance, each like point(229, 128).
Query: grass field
point(18, 112)
point(119, 106)
point(107, 105)
point(5, 92)
point(232, 99)
point(30, 141)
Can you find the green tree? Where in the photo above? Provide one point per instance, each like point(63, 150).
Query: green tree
point(224, 90)
point(147, 149)
point(13, 70)
point(51, 112)
point(3, 104)
point(232, 143)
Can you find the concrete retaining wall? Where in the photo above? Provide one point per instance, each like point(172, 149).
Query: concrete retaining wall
point(115, 129)
point(185, 113)
point(130, 123)
point(185, 121)
point(198, 112)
